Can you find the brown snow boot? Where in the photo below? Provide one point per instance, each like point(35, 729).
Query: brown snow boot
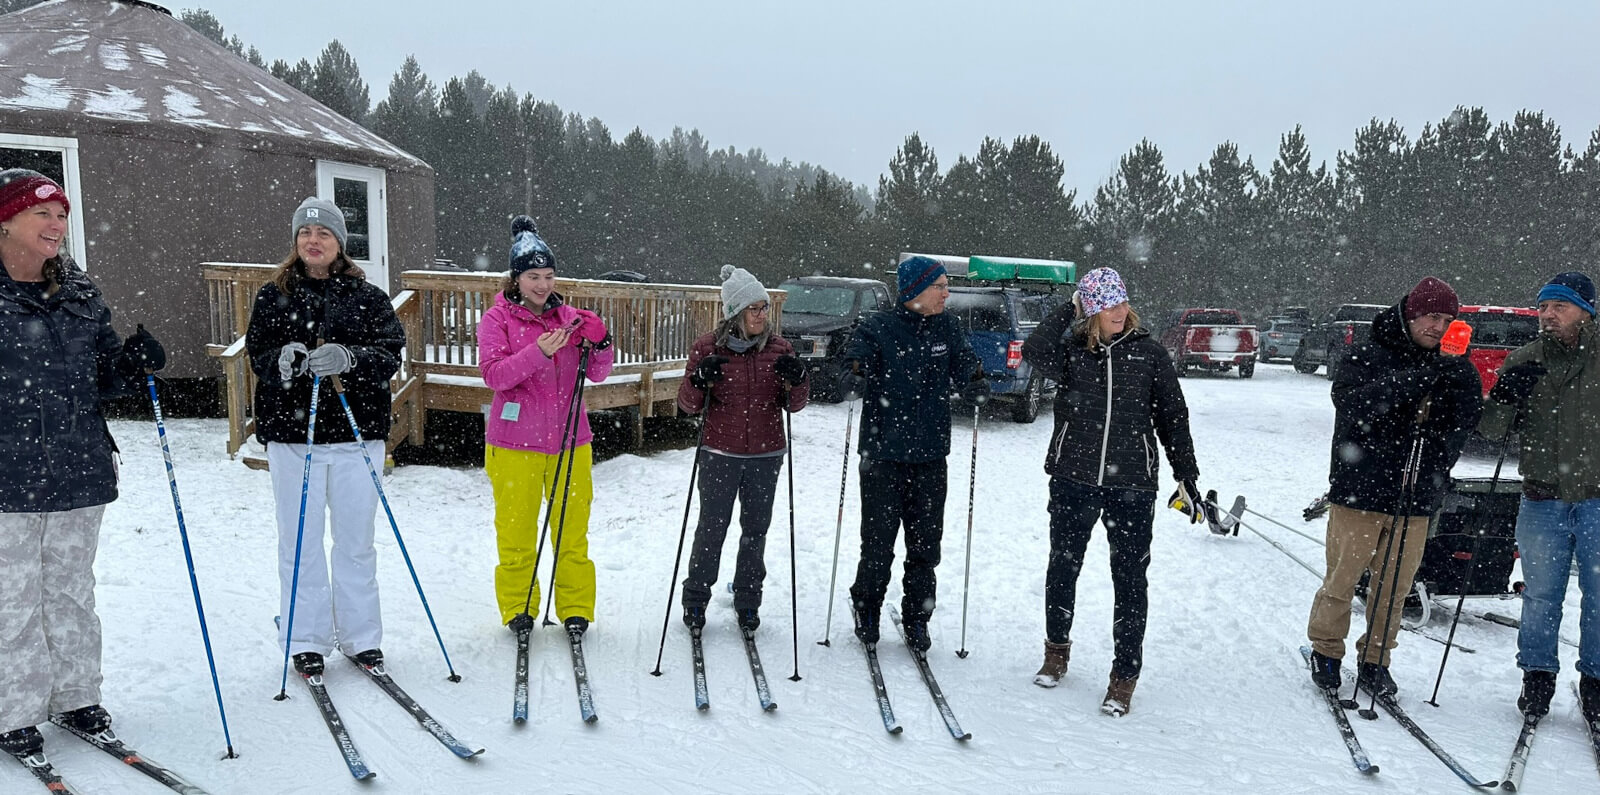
point(1119, 696)
point(1054, 669)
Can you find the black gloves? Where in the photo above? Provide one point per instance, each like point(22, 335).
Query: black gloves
point(977, 391)
point(852, 384)
point(143, 351)
point(1187, 499)
point(790, 369)
point(1516, 383)
point(708, 371)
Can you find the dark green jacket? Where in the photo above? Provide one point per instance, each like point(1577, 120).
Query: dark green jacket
point(1560, 430)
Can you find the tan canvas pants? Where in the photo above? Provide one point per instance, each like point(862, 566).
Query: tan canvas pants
point(1356, 543)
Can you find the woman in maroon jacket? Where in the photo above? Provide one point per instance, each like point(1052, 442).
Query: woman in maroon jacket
point(742, 377)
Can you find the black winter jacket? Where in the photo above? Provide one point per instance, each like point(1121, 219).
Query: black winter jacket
point(911, 362)
point(1111, 407)
point(59, 358)
point(1377, 393)
point(341, 309)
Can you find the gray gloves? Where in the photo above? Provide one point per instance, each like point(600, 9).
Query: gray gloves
point(292, 361)
point(330, 359)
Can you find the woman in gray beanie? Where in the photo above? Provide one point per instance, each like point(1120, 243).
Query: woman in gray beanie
point(742, 377)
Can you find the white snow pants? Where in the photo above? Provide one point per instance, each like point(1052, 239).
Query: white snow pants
point(49, 633)
point(340, 489)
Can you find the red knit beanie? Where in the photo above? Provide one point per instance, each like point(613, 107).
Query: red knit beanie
point(1429, 296)
point(21, 189)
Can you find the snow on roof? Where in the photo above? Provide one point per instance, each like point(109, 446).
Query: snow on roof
point(128, 63)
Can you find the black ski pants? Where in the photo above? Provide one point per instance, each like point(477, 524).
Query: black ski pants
point(892, 493)
point(1127, 515)
point(754, 482)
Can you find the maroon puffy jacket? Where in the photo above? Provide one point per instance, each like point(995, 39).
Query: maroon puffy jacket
point(746, 414)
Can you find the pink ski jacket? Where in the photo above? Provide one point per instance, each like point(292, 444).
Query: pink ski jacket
point(532, 391)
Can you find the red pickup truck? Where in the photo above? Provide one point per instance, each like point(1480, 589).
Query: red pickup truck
point(1211, 339)
point(1497, 331)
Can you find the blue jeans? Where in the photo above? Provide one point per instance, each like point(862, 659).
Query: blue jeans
point(1549, 533)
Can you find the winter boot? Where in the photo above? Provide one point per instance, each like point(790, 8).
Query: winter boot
point(1054, 669)
point(1537, 689)
point(1325, 671)
point(1589, 695)
point(371, 658)
point(749, 619)
point(1119, 696)
point(576, 625)
point(1375, 678)
point(917, 635)
point(867, 623)
point(520, 623)
point(694, 617)
point(22, 742)
point(92, 719)
point(308, 663)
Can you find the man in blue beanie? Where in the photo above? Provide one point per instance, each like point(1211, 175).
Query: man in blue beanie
point(1549, 392)
point(903, 363)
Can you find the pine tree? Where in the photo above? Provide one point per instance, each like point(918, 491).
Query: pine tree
point(1298, 204)
point(336, 82)
point(908, 212)
point(298, 76)
point(1131, 216)
point(406, 118)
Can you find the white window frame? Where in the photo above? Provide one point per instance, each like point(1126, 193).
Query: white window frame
point(68, 147)
point(377, 211)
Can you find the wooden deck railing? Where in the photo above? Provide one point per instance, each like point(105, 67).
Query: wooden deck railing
point(652, 327)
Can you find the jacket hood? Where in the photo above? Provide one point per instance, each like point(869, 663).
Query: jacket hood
point(1389, 330)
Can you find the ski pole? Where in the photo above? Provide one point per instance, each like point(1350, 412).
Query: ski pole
point(972, 493)
point(555, 479)
point(1408, 490)
point(569, 436)
point(188, 557)
point(794, 596)
point(838, 528)
point(1472, 563)
point(677, 559)
point(1281, 548)
point(377, 482)
point(1306, 536)
point(299, 536)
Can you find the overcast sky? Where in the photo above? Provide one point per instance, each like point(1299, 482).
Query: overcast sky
point(841, 84)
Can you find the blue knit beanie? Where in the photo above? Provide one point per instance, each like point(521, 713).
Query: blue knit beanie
point(1572, 287)
point(916, 273)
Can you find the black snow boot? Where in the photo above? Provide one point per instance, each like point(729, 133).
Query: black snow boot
point(694, 617)
point(1589, 695)
point(1375, 677)
point(749, 619)
point(371, 658)
point(308, 663)
point(917, 635)
point(867, 623)
point(576, 625)
point(1325, 671)
point(22, 742)
point(1537, 689)
point(520, 623)
point(92, 719)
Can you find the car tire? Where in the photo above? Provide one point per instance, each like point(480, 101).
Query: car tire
point(1182, 367)
point(1303, 366)
point(1026, 408)
point(1332, 367)
point(1247, 368)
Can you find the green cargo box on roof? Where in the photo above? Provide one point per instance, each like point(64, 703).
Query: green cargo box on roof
point(999, 269)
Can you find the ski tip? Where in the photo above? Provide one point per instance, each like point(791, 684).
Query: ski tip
point(591, 719)
point(704, 706)
point(1371, 770)
point(964, 737)
point(770, 707)
point(1490, 785)
point(895, 730)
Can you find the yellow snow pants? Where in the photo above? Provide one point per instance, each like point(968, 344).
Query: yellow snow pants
point(523, 481)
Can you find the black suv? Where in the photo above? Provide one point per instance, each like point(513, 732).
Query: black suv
point(819, 314)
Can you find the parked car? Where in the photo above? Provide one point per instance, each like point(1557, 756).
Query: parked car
point(819, 314)
point(998, 321)
point(633, 277)
point(1280, 338)
point(1327, 341)
point(1211, 339)
point(1496, 331)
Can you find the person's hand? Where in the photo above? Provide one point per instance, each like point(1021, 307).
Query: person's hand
point(330, 359)
point(292, 361)
point(1187, 499)
point(592, 328)
point(144, 351)
point(977, 391)
point(708, 371)
point(790, 369)
point(852, 384)
point(552, 341)
point(1516, 383)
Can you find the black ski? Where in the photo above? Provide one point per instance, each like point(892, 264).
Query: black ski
point(702, 694)
point(1591, 728)
point(1358, 756)
point(387, 684)
point(1512, 781)
point(341, 735)
point(40, 767)
point(879, 689)
point(519, 692)
point(762, 690)
point(107, 741)
point(923, 668)
point(580, 675)
point(1391, 706)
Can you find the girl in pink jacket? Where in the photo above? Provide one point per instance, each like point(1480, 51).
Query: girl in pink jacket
point(529, 346)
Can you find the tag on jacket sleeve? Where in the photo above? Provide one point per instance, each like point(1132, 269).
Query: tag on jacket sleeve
point(510, 411)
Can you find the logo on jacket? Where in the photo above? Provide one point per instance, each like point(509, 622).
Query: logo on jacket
point(940, 348)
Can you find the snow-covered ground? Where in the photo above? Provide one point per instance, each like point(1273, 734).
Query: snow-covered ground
point(1224, 703)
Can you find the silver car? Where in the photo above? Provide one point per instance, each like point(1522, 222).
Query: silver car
point(1280, 338)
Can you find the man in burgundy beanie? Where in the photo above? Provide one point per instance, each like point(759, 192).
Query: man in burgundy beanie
point(1402, 413)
